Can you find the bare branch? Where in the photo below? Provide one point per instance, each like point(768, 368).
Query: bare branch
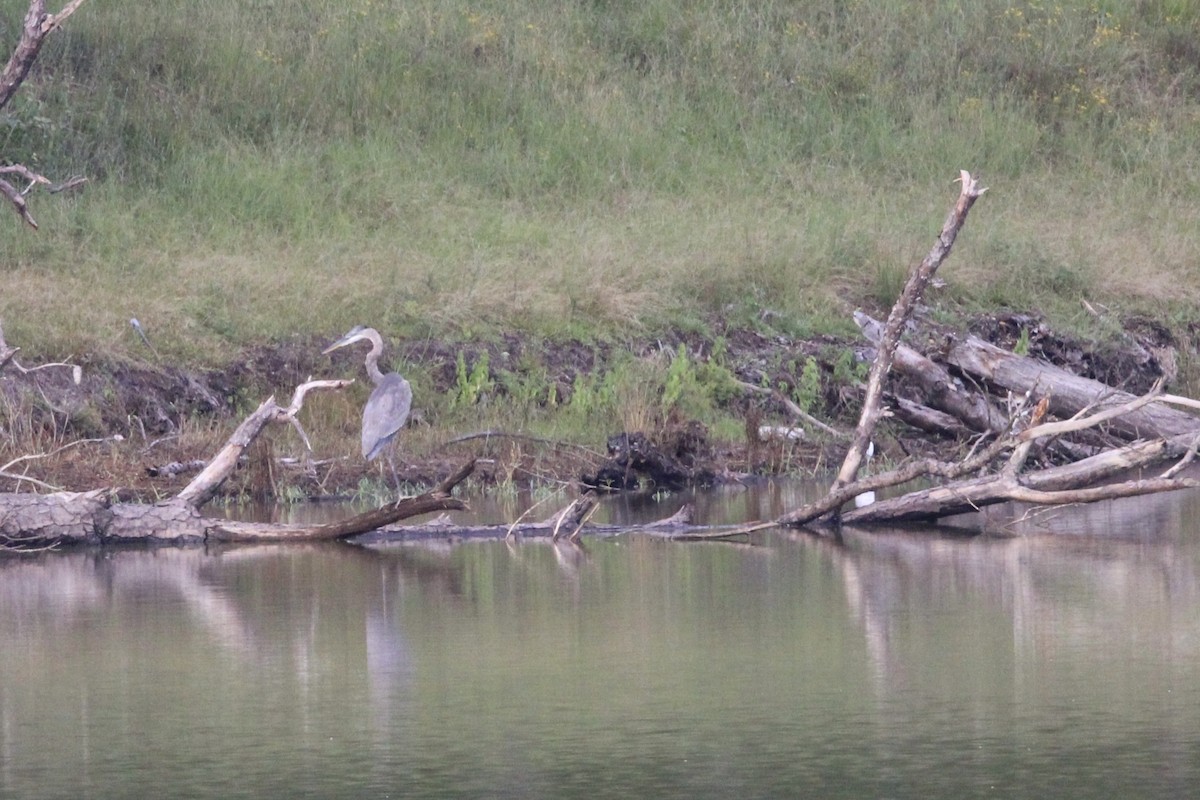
point(4, 469)
point(794, 409)
point(18, 201)
point(38, 24)
point(914, 289)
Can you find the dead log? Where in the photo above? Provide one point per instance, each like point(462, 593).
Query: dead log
point(1082, 481)
point(939, 389)
point(1086, 480)
point(677, 527)
point(1069, 393)
point(438, 499)
point(32, 520)
point(924, 418)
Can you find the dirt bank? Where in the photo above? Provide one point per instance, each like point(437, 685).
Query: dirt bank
point(169, 414)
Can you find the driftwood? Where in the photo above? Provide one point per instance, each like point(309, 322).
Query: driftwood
point(1034, 405)
point(37, 25)
point(1068, 393)
point(39, 520)
point(914, 289)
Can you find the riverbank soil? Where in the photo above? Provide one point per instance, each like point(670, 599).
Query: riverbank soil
point(144, 427)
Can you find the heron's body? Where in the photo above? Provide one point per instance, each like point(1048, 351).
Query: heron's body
point(388, 406)
point(385, 413)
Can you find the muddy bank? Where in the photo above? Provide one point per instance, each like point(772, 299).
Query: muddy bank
point(169, 414)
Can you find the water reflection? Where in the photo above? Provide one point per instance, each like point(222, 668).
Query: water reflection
point(728, 504)
point(885, 664)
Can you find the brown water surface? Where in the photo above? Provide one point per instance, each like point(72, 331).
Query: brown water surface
point(891, 664)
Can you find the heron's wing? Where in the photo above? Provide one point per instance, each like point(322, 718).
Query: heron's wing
point(386, 412)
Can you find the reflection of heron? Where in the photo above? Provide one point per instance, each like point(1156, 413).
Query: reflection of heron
point(387, 407)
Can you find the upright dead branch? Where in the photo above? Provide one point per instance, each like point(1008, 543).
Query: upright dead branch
point(914, 289)
point(37, 26)
point(205, 485)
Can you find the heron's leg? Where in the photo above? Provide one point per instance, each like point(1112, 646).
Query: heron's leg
point(391, 458)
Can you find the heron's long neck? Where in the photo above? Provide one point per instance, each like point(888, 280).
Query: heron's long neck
point(373, 362)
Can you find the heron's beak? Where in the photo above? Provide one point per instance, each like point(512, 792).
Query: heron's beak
point(342, 342)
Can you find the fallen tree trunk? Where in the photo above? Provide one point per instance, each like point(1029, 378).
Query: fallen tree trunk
point(41, 520)
point(939, 389)
point(1035, 393)
point(1069, 393)
point(1079, 482)
point(438, 499)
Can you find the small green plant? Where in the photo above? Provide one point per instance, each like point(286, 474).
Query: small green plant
point(808, 388)
point(470, 386)
point(1021, 347)
point(847, 369)
point(680, 380)
point(591, 395)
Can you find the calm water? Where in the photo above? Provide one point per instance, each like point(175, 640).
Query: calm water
point(892, 665)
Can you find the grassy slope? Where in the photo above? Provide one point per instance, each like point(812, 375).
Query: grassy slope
point(440, 168)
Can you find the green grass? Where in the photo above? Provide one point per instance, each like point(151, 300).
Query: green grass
point(442, 168)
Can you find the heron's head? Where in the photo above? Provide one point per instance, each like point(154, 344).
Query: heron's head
point(356, 334)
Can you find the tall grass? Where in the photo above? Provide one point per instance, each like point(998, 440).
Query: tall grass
point(263, 167)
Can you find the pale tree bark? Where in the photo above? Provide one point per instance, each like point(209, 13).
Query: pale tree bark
point(34, 520)
point(37, 25)
point(914, 290)
point(1044, 404)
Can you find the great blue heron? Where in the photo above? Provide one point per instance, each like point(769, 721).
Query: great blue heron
point(387, 407)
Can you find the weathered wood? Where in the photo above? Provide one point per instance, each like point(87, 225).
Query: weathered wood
point(38, 24)
point(1068, 393)
point(232, 531)
point(168, 521)
point(38, 519)
point(205, 485)
point(437, 499)
point(925, 418)
point(568, 521)
point(938, 387)
point(1086, 480)
point(914, 289)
